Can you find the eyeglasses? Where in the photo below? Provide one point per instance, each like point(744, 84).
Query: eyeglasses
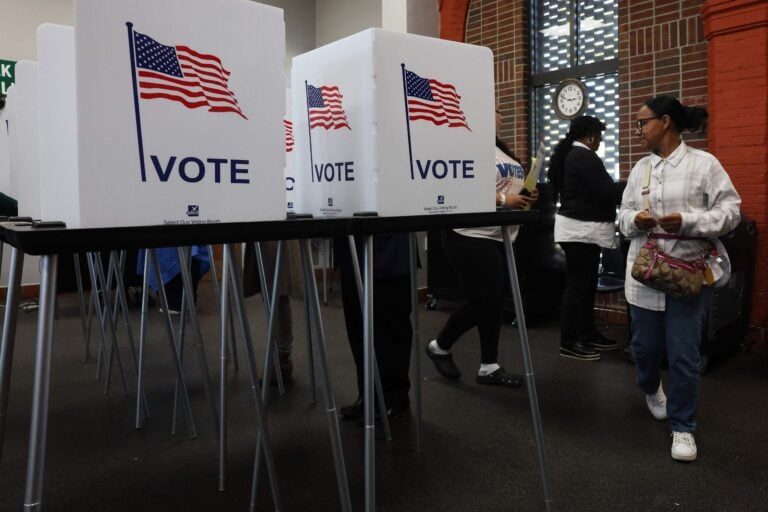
point(641, 122)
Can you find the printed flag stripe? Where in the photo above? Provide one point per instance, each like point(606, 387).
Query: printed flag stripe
point(326, 109)
point(288, 135)
point(434, 101)
point(181, 74)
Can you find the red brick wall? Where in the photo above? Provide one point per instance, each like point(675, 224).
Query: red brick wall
point(662, 50)
point(502, 26)
point(738, 80)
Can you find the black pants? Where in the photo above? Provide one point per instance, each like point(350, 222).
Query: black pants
point(174, 289)
point(577, 320)
point(391, 331)
point(480, 266)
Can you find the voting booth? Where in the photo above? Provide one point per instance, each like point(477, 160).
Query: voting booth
point(178, 112)
point(396, 124)
point(24, 158)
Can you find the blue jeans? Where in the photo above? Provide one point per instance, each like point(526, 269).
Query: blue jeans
point(678, 330)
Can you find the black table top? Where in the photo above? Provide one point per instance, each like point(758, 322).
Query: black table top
point(35, 240)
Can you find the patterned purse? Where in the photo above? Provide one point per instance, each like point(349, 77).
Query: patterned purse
point(656, 269)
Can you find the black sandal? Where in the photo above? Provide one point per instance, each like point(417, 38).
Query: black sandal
point(444, 365)
point(500, 378)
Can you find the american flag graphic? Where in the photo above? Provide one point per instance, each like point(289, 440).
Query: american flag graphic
point(288, 135)
point(434, 101)
point(325, 108)
point(179, 73)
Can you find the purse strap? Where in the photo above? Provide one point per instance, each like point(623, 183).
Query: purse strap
point(645, 191)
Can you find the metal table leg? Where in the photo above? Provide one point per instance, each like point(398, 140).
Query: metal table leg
point(39, 424)
point(9, 335)
point(415, 343)
point(311, 296)
point(152, 255)
point(529, 380)
point(376, 374)
point(263, 439)
point(368, 369)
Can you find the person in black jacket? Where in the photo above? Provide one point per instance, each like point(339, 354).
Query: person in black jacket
point(584, 224)
point(391, 319)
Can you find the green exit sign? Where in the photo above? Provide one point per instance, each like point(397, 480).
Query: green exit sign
point(6, 75)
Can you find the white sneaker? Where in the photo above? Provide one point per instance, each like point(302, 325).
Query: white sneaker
point(657, 404)
point(683, 446)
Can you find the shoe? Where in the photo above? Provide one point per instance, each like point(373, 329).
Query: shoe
point(286, 368)
point(657, 404)
point(392, 413)
point(444, 365)
point(684, 446)
point(352, 411)
point(500, 378)
point(601, 343)
point(579, 350)
point(171, 311)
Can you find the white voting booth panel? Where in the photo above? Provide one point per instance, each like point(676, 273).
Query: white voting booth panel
point(59, 183)
point(5, 169)
point(394, 123)
point(23, 140)
point(290, 187)
point(178, 107)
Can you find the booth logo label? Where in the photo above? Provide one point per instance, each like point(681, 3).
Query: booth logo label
point(330, 201)
point(441, 199)
point(193, 210)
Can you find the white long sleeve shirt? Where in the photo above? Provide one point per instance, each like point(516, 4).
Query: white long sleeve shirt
point(690, 182)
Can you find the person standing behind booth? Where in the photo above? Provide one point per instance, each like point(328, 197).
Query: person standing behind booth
point(477, 257)
point(689, 201)
point(583, 225)
point(392, 330)
point(170, 273)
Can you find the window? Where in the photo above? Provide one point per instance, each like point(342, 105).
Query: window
point(572, 38)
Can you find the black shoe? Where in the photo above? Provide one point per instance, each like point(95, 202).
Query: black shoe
point(392, 413)
point(601, 343)
point(352, 411)
point(500, 377)
point(579, 350)
point(444, 365)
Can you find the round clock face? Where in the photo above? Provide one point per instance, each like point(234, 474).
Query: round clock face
point(570, 99)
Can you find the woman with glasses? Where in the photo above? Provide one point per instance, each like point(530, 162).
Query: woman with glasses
point(683, 197)
point(583, 225)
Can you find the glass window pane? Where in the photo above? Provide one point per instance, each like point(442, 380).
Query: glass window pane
point(603, 103)
point(598, 23)
point(552, 34)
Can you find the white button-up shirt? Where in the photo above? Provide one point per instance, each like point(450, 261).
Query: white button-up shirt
point(690, 182)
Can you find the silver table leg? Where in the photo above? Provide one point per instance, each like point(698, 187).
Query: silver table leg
point(80, 294)
point(9, 335)
point(311, 296)
point(216, 291)
point(376, 374)
point(202, 361)
point(415, 343)
point(261, 423)
point(151, 253)
point(529, 380)
point(39, 424)
point(368, 369)
point(266, 293)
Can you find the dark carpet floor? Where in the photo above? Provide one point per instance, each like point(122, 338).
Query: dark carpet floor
point(605, 452)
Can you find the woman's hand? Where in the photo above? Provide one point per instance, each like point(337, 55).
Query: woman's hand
point(645, 221)
point(518, 202)
point(534, 195)
point(671, 223)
